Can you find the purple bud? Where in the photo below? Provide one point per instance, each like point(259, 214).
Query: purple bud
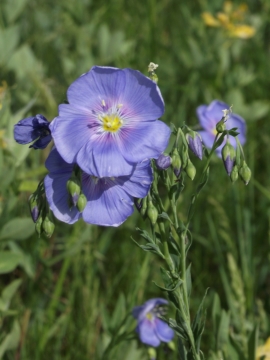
point(138, 204)
point(195, 143)
point(74, 198)
point(228, 156)
point(163, 162)
point(35, 213)
point(177, 172)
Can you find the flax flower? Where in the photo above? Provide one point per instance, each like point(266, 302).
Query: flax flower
point(110, 123)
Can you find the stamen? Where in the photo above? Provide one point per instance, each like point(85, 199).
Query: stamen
point(103, 103)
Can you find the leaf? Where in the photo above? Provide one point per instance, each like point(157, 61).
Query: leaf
point(198, 323)
point(188, 280)
point(8, 261)
point(252, 343)
point(9, 39)
point(17, 229)
point(8, 293)
point(13, 8)
point(11, 341)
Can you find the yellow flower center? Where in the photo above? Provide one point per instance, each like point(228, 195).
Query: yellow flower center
point(111, 123)
point(149, 316)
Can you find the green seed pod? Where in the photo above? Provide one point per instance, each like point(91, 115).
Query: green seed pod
point(81, 204)
point(48, 226)
point(74, 189)
point(152, 213)
point(245, 173)
point(234, 174)
point(190, 170)
point(144, 206)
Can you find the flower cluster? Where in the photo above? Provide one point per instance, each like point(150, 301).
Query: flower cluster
point(230, 19)
point(104, 139)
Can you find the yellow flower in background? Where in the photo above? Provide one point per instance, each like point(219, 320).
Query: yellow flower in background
point(228, 20)
point(264, 350)
point(3, 90)
point(3, 143)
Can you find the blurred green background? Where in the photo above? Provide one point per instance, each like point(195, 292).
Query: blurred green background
point(65, 297)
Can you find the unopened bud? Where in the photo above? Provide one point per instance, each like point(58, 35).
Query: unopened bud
point(234, 174)
point(152, 213)
point(138, 204)
point(144, 206)
point(163, 162)
point(33, 205)
point(228, 156)
point(176, 162)
point(220, 127)
point(81, 204)
point(152, 353)
point(74, 189)
point(38, 225)
point(190, 170)
point(194, 141)
point(245, 173)
point(48, 226)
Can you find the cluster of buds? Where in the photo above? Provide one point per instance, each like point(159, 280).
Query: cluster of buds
point(179, 158)
point(235, 163)
point(147, 209)
point(74, 189)
point(40, 212)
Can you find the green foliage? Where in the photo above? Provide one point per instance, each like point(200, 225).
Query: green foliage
point(69, 297)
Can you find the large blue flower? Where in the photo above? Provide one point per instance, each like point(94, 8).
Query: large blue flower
point(109, 199)
point(110, 123)
point(210, 115)
point(150, 328)
point(31, 129)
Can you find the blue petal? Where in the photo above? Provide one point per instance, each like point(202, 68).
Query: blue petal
point(42, 142)
point(149, 305)
point(163, 331)
point(107, 203)
point(103, 158)
point(147, 333)
point(144, 141)
point(139, 182)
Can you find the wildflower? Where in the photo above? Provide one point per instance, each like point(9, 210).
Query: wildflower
point(150, 328)
point(263, 352)
point(229, 18)
point(34, 128)
point(109, 199)
point(110, 123)
point(210, 115)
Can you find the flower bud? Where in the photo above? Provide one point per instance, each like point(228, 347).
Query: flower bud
point(190, 170)
point(220, 127)
point(33, 205)
point(38, 225)
point(176, 163)
point(163, 162)
point(234, 174)
point(74, 189)
point(48, 226)
point(152, 353)
point(194, 141)
point(152, 213)
point(245, 173)
point(138, 204)
point(228, 156)
point(81, 204)
point(144, 206)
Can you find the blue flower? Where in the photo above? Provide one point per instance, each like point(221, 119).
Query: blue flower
point(109, 200)
point(110, 123)
point(34, 128)
point(210, 115)
point(150, 328)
